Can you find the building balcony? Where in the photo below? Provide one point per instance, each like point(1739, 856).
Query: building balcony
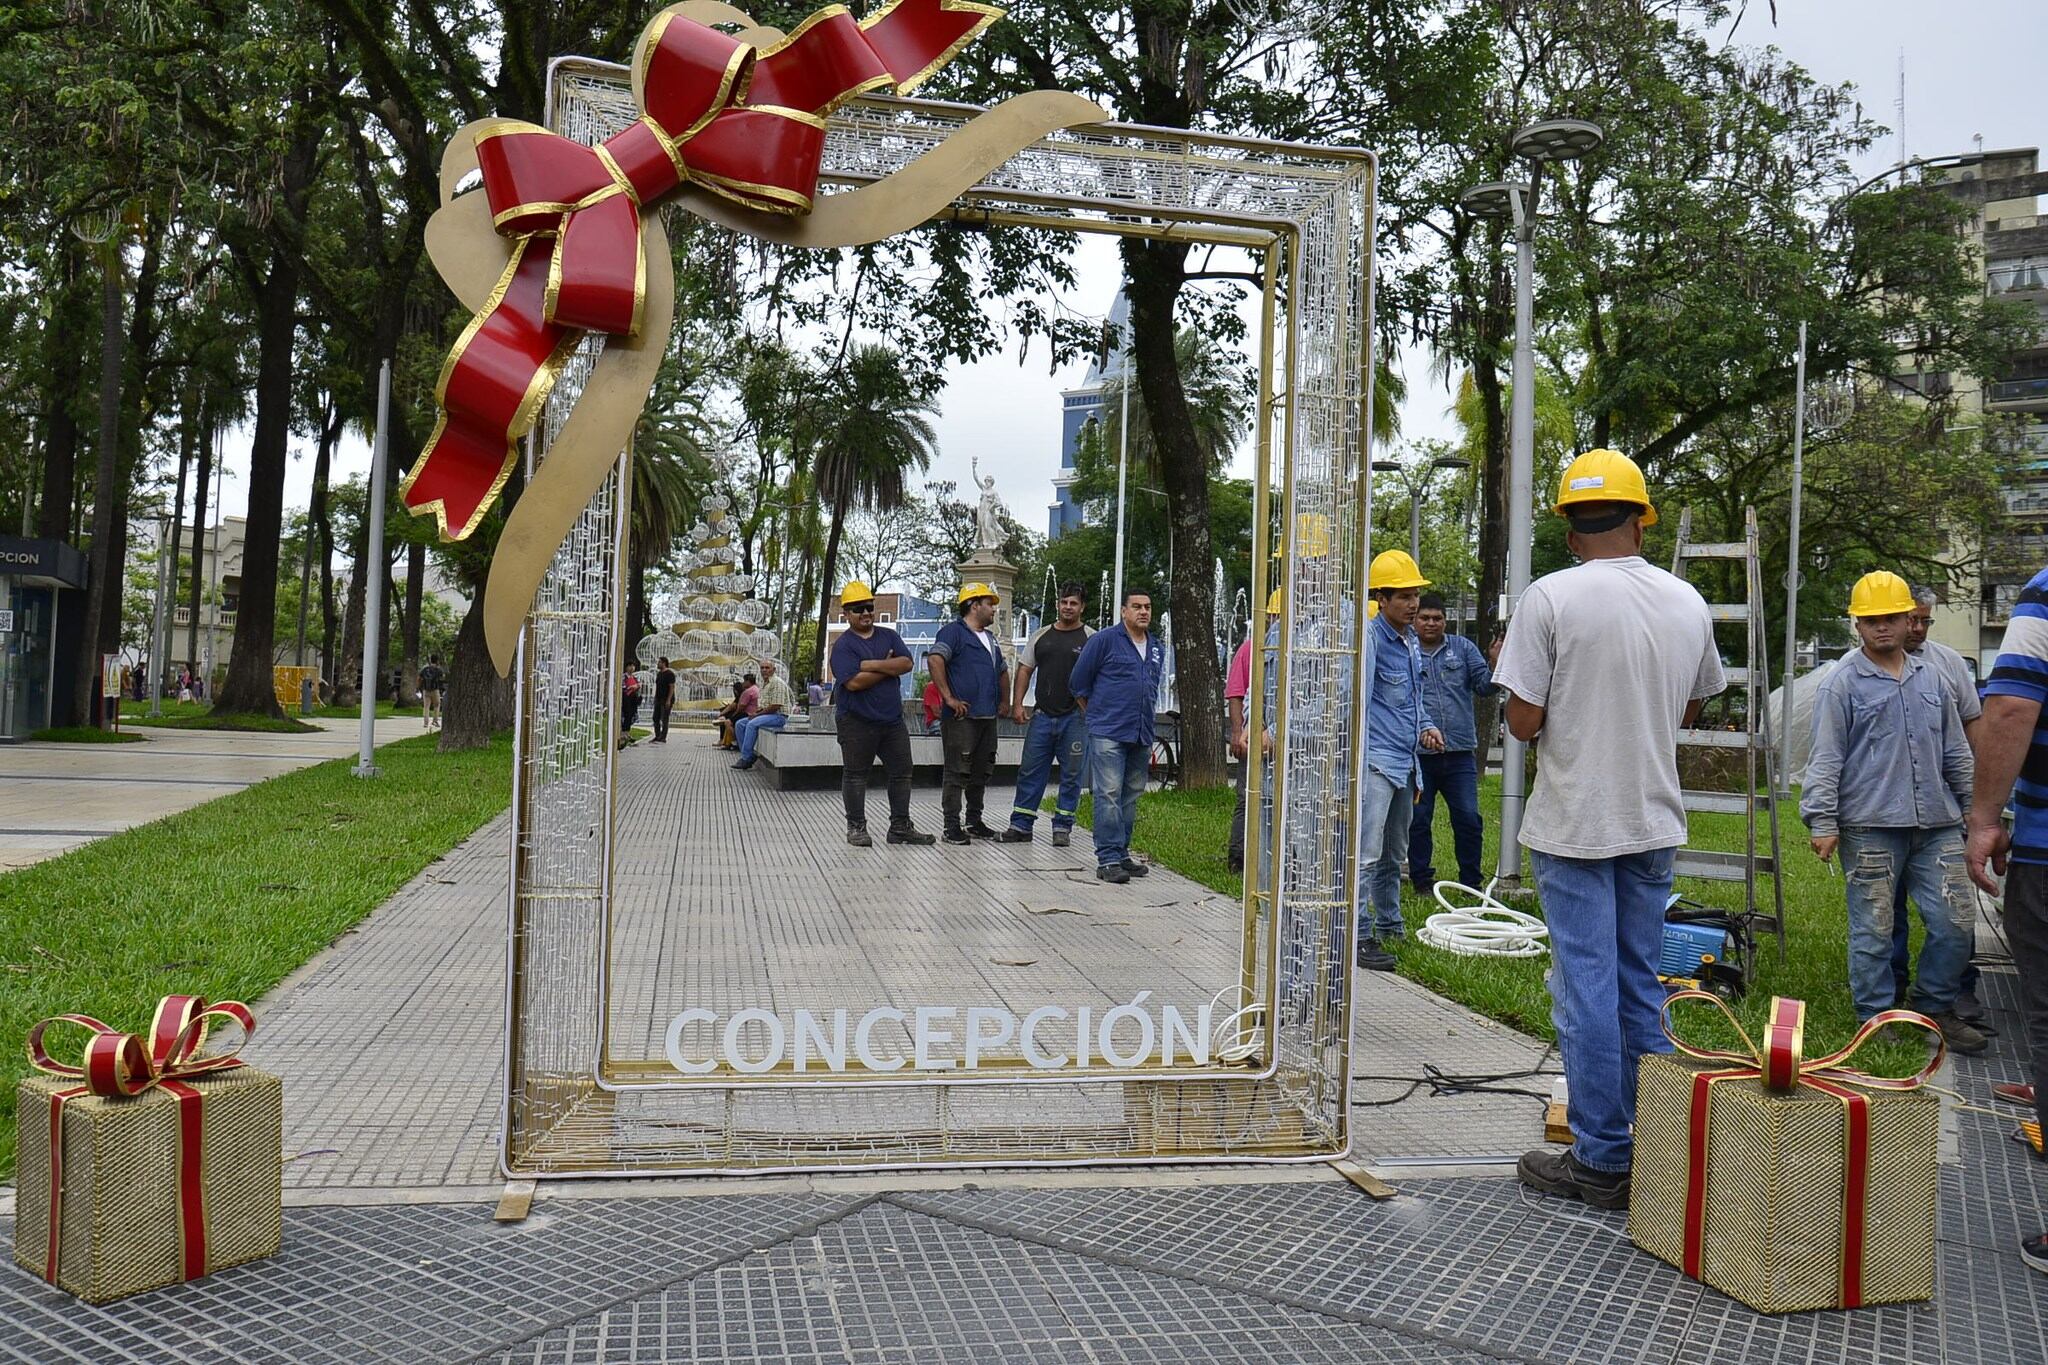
point(2022, 395)
point(2029, 501)
point(2021, 555)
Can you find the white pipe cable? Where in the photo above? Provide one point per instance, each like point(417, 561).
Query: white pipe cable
point(1486, 929)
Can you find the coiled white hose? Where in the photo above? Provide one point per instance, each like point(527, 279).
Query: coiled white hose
point(1487, 929)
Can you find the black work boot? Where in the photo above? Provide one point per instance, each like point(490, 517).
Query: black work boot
point(857, 835)
point(1560, 1173)
point(908, 834)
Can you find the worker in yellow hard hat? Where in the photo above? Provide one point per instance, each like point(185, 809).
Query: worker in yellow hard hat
point(1887, 783)
point(969, 666)
point(1397, 726)
point(867, 662)
point(1607, 661)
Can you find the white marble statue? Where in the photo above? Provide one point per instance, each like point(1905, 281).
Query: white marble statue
point(988, 521)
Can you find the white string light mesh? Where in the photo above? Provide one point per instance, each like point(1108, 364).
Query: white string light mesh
point(566, 1113)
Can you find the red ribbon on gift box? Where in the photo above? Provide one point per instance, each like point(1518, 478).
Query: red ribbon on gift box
point(744, 123)
point(1782, 1066)
point(119, 1065)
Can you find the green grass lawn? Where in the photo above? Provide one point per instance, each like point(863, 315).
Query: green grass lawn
point(1189, 831)
point(85, 734)
point(206, 720)
point(177, 711)
point(227, 898)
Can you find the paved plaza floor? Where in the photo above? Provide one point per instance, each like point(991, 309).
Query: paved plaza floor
point(390, 1045)
point(54, 797)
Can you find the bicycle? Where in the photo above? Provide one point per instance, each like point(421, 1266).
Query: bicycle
point(1162, 768)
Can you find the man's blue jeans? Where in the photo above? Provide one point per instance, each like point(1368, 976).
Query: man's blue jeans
point(1116, 774)
point(1902, 949)
point(1606, 918)
point(1384, 808)
point(1456, 776)
point(749, 731)
point(1930, 863)
point(1064, 738)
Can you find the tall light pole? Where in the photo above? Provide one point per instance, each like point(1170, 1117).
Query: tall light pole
point(373, 593)
point(1415, 479)
point(1562, 139)
point(1792, 567)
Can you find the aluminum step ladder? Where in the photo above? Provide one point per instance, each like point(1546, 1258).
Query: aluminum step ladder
point(1757, 804)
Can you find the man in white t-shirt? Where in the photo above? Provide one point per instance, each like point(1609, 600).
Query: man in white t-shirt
point(1604, 662)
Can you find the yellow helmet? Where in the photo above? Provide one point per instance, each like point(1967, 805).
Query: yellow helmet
point(856, 591)
point(1882, 593)
point(1273, 602)
point(1394, 569)
point(974, 590)
point(1372, 609)
point(1604, 476)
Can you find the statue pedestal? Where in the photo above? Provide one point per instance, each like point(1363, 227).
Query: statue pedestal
point(988, 566)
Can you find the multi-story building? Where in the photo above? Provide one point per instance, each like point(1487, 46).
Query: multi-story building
point(2002, 188)
point(1081, 409)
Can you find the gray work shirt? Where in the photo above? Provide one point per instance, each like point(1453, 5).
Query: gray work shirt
point(1955, 675)
point(1888, 753)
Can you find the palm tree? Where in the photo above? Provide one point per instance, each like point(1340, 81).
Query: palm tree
point(669, 466)
point(1220, 400)
point(871, 433)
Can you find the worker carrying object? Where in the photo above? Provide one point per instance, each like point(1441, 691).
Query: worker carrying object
point(1605, 661)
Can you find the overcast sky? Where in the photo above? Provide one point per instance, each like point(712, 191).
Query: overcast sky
point(1973, 67)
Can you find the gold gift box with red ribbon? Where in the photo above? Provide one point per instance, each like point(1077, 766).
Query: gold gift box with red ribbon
point(147, 1163)
point(1786, 1183)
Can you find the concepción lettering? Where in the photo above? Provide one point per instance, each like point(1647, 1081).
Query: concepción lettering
point(1050, 1038)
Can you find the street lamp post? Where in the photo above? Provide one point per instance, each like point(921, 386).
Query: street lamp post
point(1415, 479)
point(1514, 201)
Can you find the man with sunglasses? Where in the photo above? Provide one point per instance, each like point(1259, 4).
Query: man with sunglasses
point(866, 662)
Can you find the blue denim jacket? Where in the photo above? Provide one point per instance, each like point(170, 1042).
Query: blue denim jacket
point(1886, 753)
point(1395, 714)
point(975, 676)
point(1452, 675)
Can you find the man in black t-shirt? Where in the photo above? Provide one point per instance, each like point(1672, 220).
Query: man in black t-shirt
point(1058, 730)
point(432, 680)
point(664, 699)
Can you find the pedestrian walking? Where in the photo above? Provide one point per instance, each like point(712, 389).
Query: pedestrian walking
point(1056, 732)
point(1887, 783)
point(1115, 682)
point(1454, 671)
point(1237, 686)
point(629, 708)
point(771, 712)
point(2012, 759)
point(664, 698)
point(1398, 728)
point(433, 678)
point(1961, 682)
point(1603, 663)
point(967, 664)
point(866, 662)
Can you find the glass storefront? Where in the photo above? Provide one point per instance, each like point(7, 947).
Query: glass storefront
point(39, 581)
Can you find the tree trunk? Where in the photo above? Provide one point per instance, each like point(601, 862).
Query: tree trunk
point(320, 528)
point(249, 687)
point(207, 435)
point(348, 676)
point(415, 599)
point(1493, 525)
point(188, 439)
point(825, 597)
point(321, 457)
point(103, 571)
point(478, 702)
point(636, 600)
point(63, 362)
point(1154, 273)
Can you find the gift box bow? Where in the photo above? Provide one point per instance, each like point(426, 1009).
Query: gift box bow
point(117, 1066)
point(746, 124)
point(1782, 1066)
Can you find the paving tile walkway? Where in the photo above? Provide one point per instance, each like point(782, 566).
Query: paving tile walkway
point(391, 1045)
point(55, 797)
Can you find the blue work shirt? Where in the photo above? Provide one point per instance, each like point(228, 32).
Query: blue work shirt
point(1452, 675)
point(973, 673)
point(1395, 716)
point(1120, 684)
point(883, 702)
point(1888, 753)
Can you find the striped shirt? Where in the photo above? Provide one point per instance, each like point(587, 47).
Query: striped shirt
point(2022, 671)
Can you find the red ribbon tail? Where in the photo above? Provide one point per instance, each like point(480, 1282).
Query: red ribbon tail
point(491, 393)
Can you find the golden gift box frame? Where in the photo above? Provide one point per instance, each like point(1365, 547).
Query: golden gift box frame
point(572, 1108)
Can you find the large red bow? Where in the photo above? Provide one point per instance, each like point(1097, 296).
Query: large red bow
point(119, 1065)
point(746, 124)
